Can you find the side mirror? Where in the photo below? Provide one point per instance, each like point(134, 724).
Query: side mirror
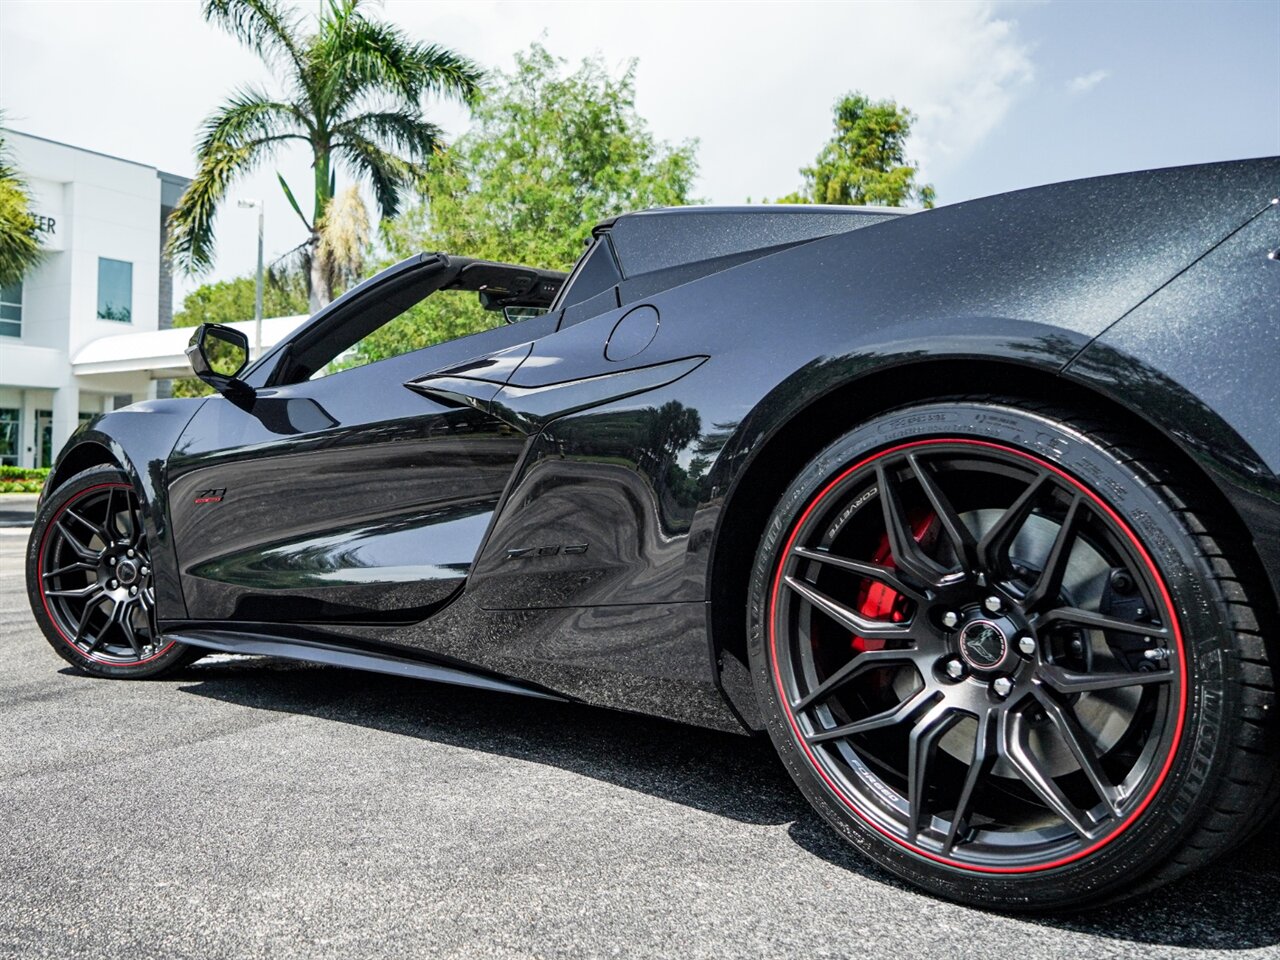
point(217, 356)
point(516, 314)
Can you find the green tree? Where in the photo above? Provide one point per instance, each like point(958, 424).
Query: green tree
point(228, 301)
point(549, 155)
point(354, 95)
point(20, 249)
point(866, 161)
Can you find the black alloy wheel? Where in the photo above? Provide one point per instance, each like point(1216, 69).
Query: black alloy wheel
point(975, 663)
point(91, 580)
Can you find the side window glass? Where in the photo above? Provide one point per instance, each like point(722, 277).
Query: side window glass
point(443, 316)
point(595, 273)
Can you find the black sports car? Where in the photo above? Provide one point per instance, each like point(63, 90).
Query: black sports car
point(975, 510)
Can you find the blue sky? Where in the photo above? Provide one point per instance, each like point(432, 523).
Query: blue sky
point(1179, 83)
point(1008, 95)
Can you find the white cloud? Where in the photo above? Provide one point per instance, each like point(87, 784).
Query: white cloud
point(755, 82)
point(968, 68)
point(1087, 81)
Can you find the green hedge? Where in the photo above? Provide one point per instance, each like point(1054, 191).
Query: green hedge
point(22, 479)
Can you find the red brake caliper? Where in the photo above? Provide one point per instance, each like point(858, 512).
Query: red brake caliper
point(879, 602)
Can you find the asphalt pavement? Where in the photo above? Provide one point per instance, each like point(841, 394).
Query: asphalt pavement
point(261, 808)
point(17, 509)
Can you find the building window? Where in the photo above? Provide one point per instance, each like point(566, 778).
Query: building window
point(11, 310)
point(115, 290)
point(10, 434)
point(44, 434)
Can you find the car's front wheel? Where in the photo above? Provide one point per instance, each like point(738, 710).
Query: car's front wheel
point(89, 579)
point(1003, 653)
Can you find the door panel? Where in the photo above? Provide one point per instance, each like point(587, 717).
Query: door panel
point(349, 497)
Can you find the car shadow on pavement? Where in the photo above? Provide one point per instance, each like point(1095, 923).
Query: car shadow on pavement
point(1229, 906)
point(672, 761)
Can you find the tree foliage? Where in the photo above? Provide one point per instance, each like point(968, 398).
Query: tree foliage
point(865, 162)
point(548, 156)
point(20, 248)
point(231, 301)
point(354, 91)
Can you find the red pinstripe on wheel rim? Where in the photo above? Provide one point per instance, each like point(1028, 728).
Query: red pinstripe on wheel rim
point(842, 795)
point(54, 620)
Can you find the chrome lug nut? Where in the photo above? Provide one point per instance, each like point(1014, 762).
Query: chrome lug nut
point(128, 553)
point(145, 570)
point(950, 618)
point(1027, 645)
point(1001, 686)
point(992, 604)
point(955, 669)
point(111, 561)
point(114, 584)
point(133, 591)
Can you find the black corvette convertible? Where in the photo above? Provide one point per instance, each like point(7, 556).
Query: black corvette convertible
point(975, 510)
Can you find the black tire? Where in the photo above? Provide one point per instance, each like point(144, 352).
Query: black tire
point(88, 522)
point(1192, 768)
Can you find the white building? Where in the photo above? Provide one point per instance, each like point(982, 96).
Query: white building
point(101, 220)
point(89, 329)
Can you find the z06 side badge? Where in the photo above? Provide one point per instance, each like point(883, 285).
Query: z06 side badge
point(525, 553)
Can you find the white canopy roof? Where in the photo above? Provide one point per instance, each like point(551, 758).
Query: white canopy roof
point(161, 353)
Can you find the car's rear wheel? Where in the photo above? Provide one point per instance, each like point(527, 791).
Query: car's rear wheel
point(1005, 657)
point(90, 582)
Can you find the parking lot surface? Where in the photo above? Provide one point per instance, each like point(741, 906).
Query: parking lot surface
point(260, 808)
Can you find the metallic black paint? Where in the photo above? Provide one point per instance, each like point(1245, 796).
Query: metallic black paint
point(247, 640)
point(138, 438)
point(1201, 360)
point(1185, 327)
point(347, 497)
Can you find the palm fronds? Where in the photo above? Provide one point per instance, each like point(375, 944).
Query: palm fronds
point(238, 136)
point(20, 248)
point(269, 28)
point(354, 93)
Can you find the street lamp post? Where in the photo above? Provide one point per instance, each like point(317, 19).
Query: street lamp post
point(257, 292)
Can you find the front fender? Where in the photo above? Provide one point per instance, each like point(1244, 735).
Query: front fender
point(139, 438)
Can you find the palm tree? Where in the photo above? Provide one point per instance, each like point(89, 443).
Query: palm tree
point(354, 96)
point(20, 249)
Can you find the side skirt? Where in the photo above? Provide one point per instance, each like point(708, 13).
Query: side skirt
point(312, 651)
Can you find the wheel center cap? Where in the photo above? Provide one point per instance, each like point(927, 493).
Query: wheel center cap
point(983, 644)
point(126, 572)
